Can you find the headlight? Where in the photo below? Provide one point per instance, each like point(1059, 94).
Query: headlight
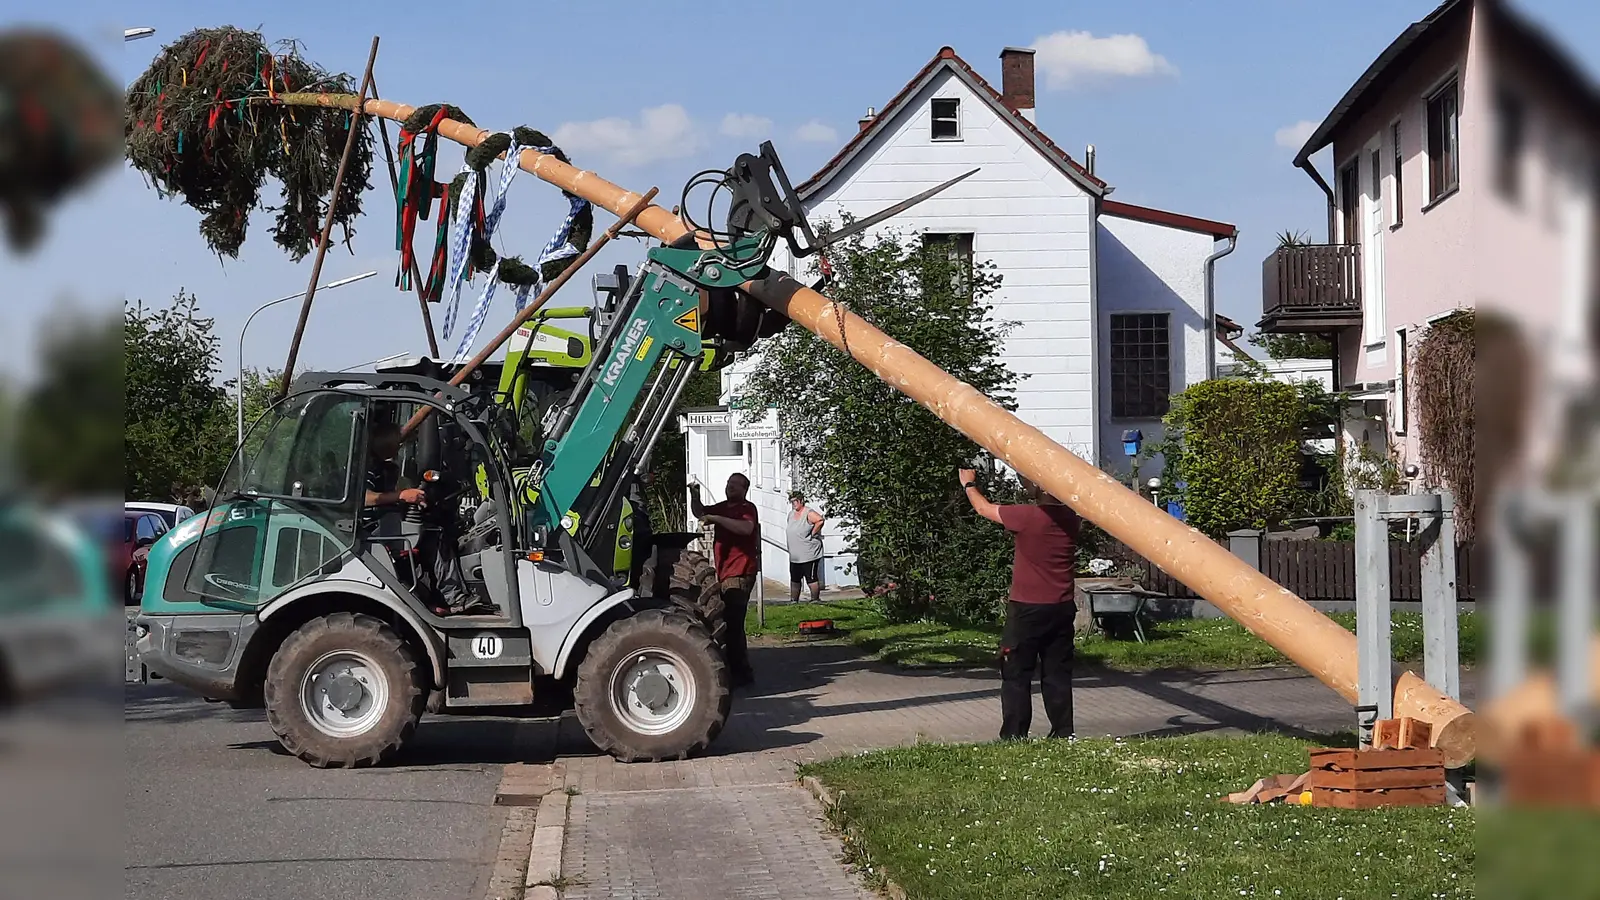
point(627, 523)
point(625, 542)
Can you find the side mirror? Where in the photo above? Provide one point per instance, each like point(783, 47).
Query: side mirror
point(144, 541)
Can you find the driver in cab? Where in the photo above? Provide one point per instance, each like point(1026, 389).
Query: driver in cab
point(438, 545)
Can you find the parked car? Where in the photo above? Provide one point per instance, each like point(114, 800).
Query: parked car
point(171, 513)
point(139, 531)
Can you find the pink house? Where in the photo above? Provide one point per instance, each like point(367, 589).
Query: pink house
point(1465, 167)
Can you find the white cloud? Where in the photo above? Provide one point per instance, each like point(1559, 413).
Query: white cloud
point(1073, 58)
point(1293, 137)
point(661, 132)
point(745, 125)
point(815, 132)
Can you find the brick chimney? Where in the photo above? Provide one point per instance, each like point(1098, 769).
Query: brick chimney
point(866, 120)
point(1016, 80)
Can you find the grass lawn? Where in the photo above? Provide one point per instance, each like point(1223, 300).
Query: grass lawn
point(1179, 644)
point(1130, 819)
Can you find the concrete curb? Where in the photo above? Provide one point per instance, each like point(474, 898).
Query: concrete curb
point(824, 796)
point(544, 855)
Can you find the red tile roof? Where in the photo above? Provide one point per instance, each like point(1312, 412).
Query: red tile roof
point(1170, 219)
point(947, 57)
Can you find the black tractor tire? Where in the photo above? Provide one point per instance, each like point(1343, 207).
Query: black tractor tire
point(390, 658)
point(661, 634)
point(688, 581)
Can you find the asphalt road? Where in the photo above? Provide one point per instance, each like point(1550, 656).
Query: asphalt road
point(215, 808)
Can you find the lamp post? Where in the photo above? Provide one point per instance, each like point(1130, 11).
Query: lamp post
point(240, 384)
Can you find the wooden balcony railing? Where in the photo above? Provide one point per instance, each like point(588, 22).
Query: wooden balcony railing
point(1317, 281)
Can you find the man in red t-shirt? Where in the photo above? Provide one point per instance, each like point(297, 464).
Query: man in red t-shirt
point(736, 550)
point(1040, 610)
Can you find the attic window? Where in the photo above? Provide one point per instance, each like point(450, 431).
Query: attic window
point(946, 119)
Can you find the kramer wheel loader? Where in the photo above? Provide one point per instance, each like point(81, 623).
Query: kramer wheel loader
point(293, 595)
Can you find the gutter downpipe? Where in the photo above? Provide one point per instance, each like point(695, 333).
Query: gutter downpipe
point(1304, 162)
point(1211, 303)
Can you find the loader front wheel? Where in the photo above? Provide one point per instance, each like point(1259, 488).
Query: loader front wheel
point(344, 691)
point(653, 687)
point(687, 580)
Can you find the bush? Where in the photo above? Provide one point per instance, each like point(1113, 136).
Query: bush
point(1234, 445)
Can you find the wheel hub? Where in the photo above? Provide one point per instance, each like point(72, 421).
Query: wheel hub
point(344, 691)
point(653, 690)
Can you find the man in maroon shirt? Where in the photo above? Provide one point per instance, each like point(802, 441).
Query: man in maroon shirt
point(736, 550)
point(1040, 611)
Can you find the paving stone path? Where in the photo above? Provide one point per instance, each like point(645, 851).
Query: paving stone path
point(735, 823)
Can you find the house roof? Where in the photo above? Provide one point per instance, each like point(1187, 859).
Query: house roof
point(1169, 219)
point(1417, 36)
point(947, 60)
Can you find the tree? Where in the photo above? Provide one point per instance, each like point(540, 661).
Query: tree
point(669, 477)
point(68, 441)
point(179, 426)
point(885, 466)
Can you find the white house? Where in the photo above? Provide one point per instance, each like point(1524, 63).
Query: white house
point(1112, 299)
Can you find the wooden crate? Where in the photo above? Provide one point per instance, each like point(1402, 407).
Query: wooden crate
point(1372, 779)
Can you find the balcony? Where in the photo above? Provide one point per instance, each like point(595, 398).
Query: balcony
point(1313, 288)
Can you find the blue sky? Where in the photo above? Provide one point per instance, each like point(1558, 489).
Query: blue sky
point(1186, 108)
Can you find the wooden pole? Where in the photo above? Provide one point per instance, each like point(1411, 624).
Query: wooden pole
point(1268, 610)
point(531, 309)
point(327, 225)
point(416, 272)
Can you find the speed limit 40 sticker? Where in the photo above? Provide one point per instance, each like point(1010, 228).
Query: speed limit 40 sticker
point(486, 645)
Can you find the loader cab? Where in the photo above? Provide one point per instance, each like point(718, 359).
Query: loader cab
point(292, 511)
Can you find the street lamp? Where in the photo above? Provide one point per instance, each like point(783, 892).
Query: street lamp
point(133, 34)
point(240, 386)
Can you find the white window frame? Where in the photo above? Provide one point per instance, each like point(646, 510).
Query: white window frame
point(934, 117)
point(1434, 90)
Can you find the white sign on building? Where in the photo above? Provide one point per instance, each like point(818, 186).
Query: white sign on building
point(747, 427)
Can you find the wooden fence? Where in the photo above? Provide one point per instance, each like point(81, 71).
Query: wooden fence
point(1326, 570)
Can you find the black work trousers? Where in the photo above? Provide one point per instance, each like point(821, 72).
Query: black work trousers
point(1037, 639)
point(736, 604)
point(443, 563)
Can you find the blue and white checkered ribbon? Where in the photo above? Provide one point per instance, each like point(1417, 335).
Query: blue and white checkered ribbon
point(491, 219)
point(559, 246)
point(460, 246)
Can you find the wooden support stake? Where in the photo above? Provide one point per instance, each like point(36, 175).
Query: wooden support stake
point(327, 225)
point(544, 296)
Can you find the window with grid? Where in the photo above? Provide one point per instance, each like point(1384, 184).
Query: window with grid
point(959, 249)
point(946, 118)
point(1141, 365)
point(1444, 142)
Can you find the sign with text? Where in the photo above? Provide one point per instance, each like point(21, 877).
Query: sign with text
point(703, 419)
point(746, 425)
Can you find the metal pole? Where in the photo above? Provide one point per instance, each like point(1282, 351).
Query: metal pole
point(239, 385)
point(327, 224)
point(1375, 699)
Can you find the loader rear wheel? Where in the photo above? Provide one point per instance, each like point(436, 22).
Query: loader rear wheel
point(687, 580)
point(652, 687)
point(344, 691)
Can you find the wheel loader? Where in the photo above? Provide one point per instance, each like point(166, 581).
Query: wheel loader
point(292, 595)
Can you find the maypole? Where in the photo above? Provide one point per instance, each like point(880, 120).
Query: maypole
point(1266, 609)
